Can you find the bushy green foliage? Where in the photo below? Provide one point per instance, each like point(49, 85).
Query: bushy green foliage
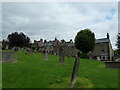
point(18, 39)
point(84, 55)
point(118, 44)
point(4, 44)
point(85, 40)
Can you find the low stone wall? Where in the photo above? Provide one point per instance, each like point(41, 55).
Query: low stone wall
point(112, 64)
point(8, 57)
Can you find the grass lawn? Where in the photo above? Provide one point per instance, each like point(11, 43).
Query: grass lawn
point(32, 71)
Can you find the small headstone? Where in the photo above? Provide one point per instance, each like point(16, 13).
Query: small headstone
point(61, 56)
point(6, 46)
point(74, 73)
point(46, 56)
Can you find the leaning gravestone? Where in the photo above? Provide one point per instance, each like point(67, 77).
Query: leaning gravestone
point(74, 73)
point(46, 56)
point(62, 56)
point(8, 57)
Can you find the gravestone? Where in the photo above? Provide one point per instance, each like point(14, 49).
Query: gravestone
point(112, 64)
point(8, 57)
point(61, 56)
point(98, 58)
point(74, 73)
point(46, 56)
point(117, 60)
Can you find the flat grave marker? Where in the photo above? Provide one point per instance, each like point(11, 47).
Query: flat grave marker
point(8, 57)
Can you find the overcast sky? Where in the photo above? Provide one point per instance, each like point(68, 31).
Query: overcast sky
point(60, 20)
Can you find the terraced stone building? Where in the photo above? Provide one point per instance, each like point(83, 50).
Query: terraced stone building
point(102, 51)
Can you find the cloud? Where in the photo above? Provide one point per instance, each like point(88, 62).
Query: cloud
point(61, 20)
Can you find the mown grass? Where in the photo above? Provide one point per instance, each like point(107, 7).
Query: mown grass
point(32, 71)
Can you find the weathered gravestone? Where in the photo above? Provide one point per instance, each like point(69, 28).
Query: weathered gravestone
point(61, 56)
point(112, 64)
point(46, 56)
point(8, 57)
point(75, 70)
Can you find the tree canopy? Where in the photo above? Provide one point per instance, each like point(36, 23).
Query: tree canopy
point(85, 40)
point(18, 39)
point(4, 43)
point(118, 43)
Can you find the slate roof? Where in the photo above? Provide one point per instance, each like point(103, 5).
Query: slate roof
point(103, 40)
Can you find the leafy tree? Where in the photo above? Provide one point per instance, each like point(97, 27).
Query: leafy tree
point(4, 43)
point(118, 44)
point(18, 40)
point(85, 41)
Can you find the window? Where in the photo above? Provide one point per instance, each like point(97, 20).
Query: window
point(104, 57)
point(102, 50)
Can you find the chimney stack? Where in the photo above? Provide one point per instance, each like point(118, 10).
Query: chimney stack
point(108, 36)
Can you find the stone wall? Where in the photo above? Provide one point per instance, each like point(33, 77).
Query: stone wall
point(112, 64)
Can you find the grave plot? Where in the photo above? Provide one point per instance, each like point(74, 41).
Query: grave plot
point(8, 57)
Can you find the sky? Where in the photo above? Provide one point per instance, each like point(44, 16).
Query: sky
point(62, 20)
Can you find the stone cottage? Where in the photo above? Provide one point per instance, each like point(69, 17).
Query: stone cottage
point(103, 49)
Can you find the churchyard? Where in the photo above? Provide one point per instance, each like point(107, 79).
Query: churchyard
point(38, 70)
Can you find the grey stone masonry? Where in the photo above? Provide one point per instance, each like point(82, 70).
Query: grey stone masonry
point(8, 57)
point(112, 64)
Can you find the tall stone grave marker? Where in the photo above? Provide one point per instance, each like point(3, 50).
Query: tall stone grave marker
point(61, 56)
point(74, 73)
point(46, 56)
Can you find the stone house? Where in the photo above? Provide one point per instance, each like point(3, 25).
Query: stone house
point(45, 46)
point(68, 47)
point(48, 46)
point(103, 49)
